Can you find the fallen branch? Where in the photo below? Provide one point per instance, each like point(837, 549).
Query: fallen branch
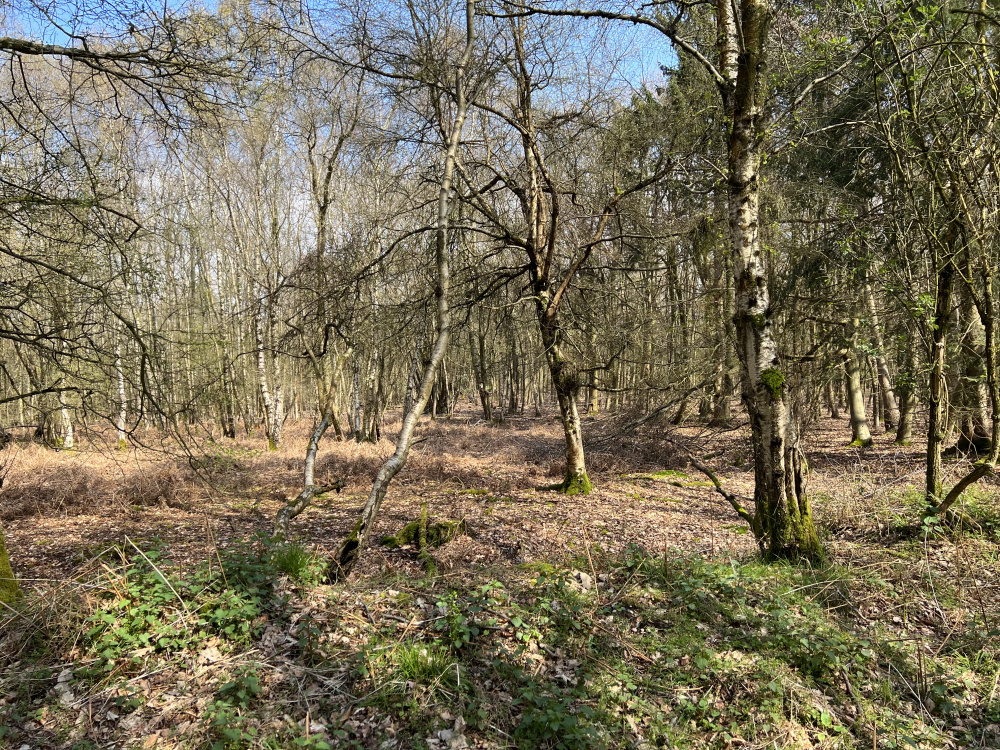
point(733, 500)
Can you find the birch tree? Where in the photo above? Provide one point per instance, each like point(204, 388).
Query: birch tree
point(342, 565)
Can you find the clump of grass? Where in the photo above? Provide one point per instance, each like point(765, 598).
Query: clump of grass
point(297, 563)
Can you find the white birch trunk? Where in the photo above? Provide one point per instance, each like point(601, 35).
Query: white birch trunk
point(122, 403)
point(265, 391)
point(782, 507)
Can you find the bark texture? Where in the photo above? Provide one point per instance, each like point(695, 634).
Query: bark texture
point(782, 507)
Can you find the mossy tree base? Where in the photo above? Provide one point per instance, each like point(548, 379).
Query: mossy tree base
point(859, 443)
point(801, 544)
point(10, 592)
point(578, 484)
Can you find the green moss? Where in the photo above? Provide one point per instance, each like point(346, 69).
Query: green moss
point(9, 590)
point(578, 484)
point(774, 380)
point(438, 533)
point(794, 537)
point(861, 443)
point(669, 473)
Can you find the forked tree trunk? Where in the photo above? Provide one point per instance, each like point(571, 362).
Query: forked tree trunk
point(342, 565)
point(309, 490)
point(782, 506)
point(327, 380)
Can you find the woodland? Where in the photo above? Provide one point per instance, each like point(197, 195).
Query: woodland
point(453, 374)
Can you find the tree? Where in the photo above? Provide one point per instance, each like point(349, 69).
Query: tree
point(937, 114)
point(742, 46)
point(342, 565)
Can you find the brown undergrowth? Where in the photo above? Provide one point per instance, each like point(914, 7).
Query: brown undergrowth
point(636, 616)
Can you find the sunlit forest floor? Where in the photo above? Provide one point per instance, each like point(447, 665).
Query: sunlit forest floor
point(157, 614)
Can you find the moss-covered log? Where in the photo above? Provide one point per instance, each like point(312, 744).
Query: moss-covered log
point(437, 533)
point(427, 535)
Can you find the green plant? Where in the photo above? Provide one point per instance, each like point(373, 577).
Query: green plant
point(146, 605)
point(226, 718)
point(297, 563)
point(554, 718)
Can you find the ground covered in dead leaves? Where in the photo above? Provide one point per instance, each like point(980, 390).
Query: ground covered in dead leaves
point(158, 614)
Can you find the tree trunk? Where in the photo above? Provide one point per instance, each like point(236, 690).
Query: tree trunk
point(271, 428)
point(907, 398)
point(67, 441)
point(782, 506)
point(566, 381)
point(861, 436)
point(443, 396)
point(309, 489)
point(122, 403)
point(987, 466)
point(969, 392)
point(889, 408)
point(593, 405)
point(9, 590)
point(347, 558)
point(831, 401)
point(480, 374)
point(936, 428)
